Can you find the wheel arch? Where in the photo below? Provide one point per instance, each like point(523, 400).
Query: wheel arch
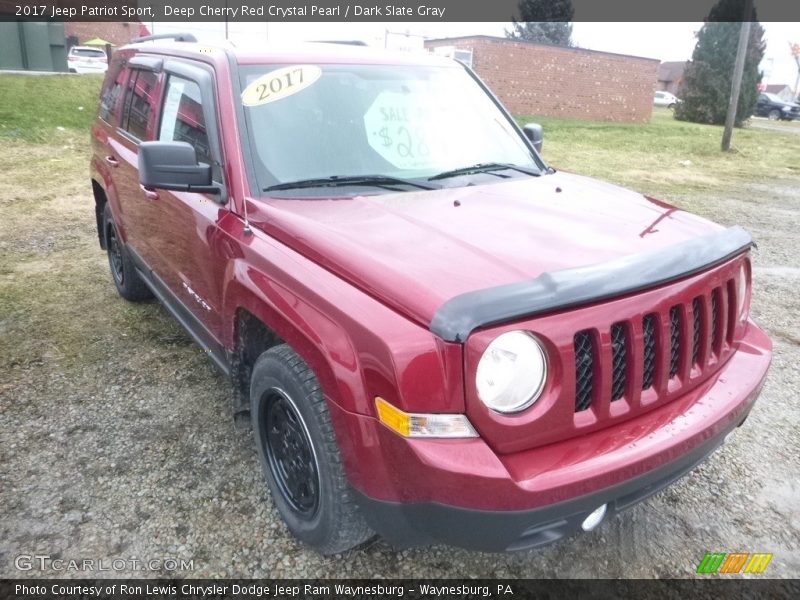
point(257, 325)
point(100, 200)
point(105, 193)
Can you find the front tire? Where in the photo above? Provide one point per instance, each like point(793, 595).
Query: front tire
point(127, 280)
point(299, 455)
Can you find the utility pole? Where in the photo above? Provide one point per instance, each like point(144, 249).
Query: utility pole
point(795, 50)
point(738, 69)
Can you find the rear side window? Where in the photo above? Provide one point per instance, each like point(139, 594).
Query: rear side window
point(140, 103)
point(112, 90)
point(86, 52)
point(182, 118)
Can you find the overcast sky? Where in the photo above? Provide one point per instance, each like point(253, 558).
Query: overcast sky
point(664, 41)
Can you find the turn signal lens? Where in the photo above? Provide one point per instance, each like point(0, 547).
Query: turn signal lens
point(423, 425)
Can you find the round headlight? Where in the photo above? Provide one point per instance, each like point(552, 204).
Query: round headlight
point(741, 293)
point(511, 372)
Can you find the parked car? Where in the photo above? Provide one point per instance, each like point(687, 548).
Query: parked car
point(774, 108)
point(665, 99)
point(434, 335)
point(85, 59)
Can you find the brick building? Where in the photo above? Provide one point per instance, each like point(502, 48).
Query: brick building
point(118, 33)
point(537, 79)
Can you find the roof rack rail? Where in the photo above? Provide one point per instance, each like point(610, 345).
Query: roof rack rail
point(343, 42)
point(178, 37)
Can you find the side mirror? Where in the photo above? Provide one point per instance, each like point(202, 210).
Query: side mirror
point(173, 166)
point(535, 133)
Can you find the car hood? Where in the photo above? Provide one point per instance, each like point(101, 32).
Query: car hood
point(416, 250)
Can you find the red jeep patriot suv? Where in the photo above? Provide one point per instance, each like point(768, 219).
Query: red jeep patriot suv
point(435, 336)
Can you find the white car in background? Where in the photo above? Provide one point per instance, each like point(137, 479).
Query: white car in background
point(85, 59)
point(665, 99)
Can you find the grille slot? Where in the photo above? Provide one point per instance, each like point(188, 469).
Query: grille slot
point(649, 348)
point(696, 326)
point(674, 340)
point(732, 316)
point(715, 324)
point(619, 361)
point(584, 370)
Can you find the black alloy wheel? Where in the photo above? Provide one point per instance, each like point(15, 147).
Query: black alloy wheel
point(291, 457)
point(115, 254)
point(299, 454)
point(127, 280)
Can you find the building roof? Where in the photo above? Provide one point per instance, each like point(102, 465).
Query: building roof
point(318, 52)
point(497, 39)
point(671, 71)
point(776, 88)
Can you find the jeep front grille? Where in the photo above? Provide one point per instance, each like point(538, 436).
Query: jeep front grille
point(659, 341)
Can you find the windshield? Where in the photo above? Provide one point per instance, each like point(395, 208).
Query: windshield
point(404, 122)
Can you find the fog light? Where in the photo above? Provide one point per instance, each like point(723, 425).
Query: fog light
point(594, 518)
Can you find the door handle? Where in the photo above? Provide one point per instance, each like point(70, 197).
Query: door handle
point(112, 161)
point(149, 193)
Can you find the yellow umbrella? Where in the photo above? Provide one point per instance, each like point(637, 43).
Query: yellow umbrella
point(97, 42)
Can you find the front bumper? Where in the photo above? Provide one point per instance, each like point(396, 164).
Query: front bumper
point(460, 492)
point(416, 524)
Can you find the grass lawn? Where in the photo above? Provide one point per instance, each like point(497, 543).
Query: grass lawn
point(667, 157)
point(32, 107)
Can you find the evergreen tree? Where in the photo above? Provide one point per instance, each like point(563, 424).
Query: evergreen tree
point(543, 21)
point(706, 85)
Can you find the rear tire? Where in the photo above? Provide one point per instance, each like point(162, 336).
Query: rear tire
point(299, 455)
point(774, 115)
point(127, 280)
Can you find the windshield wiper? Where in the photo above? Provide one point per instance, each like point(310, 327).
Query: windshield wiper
point(483, 168)
point(336, 181)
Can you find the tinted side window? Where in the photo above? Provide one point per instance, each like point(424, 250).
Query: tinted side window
point(112, 90)
point(182, 119)
point(140, 102)
point(88, 53)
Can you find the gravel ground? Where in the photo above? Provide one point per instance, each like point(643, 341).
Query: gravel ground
point(116, 440)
